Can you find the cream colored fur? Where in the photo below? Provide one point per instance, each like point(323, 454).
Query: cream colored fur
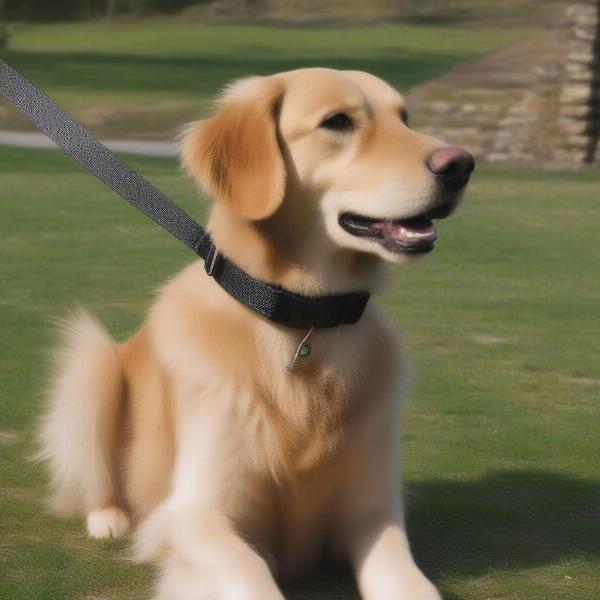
point(79, 433)
point(235, 471)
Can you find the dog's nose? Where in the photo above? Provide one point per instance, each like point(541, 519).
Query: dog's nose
point(453, 165)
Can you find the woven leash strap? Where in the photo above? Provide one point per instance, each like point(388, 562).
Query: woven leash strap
point(72, 137)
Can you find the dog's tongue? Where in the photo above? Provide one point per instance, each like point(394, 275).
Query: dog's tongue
point(408, 233)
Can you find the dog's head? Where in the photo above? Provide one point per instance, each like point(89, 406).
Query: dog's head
point(335, 145)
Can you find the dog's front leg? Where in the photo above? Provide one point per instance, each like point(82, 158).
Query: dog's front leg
point(383, 562)
point(370, 524)
point(202, 557)
point(192, 534)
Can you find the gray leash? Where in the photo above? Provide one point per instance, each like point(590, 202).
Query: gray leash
point(72, 137)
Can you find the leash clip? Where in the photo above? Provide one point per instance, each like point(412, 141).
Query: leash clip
point(213, 260)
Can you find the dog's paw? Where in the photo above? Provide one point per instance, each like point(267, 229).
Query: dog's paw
point(110, 522)
point(424, 591)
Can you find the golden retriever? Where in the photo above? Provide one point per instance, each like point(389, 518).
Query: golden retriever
point(236, 470)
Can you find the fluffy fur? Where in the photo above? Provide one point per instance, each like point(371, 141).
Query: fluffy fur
point(234, 471)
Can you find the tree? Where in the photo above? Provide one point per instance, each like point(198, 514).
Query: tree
point(3, 26)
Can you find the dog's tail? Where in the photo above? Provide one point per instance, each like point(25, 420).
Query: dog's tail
point(78, 433)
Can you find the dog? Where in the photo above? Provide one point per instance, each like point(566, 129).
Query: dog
point(236, 470)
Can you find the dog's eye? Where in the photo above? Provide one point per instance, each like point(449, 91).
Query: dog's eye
point(338, 122)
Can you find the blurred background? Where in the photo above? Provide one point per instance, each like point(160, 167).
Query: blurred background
point(515, 81)
point(502, 431)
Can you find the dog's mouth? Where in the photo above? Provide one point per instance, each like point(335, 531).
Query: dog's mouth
point(415, 235)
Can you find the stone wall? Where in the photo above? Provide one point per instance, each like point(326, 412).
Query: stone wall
point(535, 103)
point(579, 97)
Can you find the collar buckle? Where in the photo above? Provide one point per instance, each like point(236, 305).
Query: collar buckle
point(213, 260)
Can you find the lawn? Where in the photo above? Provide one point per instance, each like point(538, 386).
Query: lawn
point(143, 80)
point(501, 439)
point(502, 429)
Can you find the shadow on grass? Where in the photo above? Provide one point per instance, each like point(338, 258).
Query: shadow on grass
point(507, 520)
point(333, 584)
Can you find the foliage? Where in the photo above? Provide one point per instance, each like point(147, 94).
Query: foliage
point(513, 12)
point(42, 10)
point(3, 27)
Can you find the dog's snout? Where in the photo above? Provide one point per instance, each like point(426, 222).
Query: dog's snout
point(453, 165)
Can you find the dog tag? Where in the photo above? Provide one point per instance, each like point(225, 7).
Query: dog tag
point(303, 351)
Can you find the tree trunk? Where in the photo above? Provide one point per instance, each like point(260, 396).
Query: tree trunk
point(3, 26)
point(111, 8)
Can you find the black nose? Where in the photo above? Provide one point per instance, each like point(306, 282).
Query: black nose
point(452, 165)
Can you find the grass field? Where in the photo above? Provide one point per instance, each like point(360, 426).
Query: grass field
point(501, 439)
point(503, 428)
point(145, 80)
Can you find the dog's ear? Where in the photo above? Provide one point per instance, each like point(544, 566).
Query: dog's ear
point(235, 154)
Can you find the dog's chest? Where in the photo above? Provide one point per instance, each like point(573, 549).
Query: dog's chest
point(304, 413)
point(290, 522)
point(304, 524)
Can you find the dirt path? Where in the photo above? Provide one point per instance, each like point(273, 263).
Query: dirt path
point(140, 147)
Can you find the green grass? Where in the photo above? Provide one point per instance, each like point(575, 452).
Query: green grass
point(502, 321)
point(146, 79)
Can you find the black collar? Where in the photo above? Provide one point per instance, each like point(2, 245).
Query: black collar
point(275, 302)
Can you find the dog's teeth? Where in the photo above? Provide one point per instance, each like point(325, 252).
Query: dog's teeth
point(414, 234)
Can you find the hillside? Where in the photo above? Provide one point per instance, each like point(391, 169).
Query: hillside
point(519, 13)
